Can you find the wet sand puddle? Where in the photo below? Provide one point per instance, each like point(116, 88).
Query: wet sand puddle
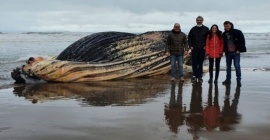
point(146, 108)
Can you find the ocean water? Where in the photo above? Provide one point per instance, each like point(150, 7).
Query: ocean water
point(16, 48)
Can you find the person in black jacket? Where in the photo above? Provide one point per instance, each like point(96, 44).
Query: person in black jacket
point(234, 44)
point(197, 41)
point(176, 48)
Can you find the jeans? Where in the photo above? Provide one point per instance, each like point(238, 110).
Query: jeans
point(211, 65)
point(197, 62)
point(179, 60)
point(236, 61)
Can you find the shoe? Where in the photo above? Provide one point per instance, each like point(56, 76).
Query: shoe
point(193, 79)
point(239, 84)
point(200, 80)
point(172, 79)
point(226, 82)
point(182, 79)
point(216, 81)
point(210, 80)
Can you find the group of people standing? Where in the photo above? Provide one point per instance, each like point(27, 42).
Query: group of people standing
point(204, 42)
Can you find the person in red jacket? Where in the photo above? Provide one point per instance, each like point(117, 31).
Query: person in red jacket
point(214, 51)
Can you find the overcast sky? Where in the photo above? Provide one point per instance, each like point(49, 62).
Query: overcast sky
point(130, 15)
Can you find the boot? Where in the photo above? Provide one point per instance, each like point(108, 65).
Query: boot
point(210, 80)
point(226, 82)
point(193, 79)
point(200, 80)
point(239, 82)
point(216, 77)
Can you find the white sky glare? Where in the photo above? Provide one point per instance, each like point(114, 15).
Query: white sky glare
point(130, 15)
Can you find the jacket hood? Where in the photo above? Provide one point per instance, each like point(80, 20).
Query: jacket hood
point(232, 26)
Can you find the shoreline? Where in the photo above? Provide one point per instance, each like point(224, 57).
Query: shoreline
point(9, 83)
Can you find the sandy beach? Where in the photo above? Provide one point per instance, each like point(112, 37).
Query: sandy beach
point(149, 108)
point(103, 75)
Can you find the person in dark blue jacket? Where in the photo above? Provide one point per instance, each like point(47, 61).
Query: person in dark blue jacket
point(197, 41)
point(234, 44)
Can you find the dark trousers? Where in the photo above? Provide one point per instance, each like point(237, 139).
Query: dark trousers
point(211, 65)
point(236, 62)
point(197, 62)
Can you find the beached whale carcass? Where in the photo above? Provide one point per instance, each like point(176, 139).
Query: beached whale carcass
point(102, 56)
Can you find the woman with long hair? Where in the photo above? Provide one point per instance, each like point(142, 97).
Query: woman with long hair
point(214, 51)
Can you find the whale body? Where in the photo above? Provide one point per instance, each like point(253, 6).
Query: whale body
point(103, 56)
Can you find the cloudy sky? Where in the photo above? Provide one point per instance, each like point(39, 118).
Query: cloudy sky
point(130, 15)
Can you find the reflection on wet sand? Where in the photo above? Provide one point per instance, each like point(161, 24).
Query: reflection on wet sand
point(195, 118)
point(124, 92)
point(199, 118)
point(211, 113)
point(230, 116)
point(174, 113)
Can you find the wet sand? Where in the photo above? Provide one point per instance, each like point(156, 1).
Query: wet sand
point(149, 108)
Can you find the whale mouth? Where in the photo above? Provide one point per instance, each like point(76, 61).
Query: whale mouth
point(22, 77)
point(16, 74)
